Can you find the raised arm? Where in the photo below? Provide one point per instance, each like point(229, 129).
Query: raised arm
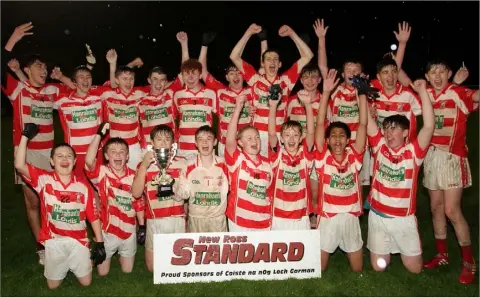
point(207, 39)
point(402, 36)
point(138, 184)
point(361, 139)
point(426, 132)
point(272, 123)
point(91, 156)
point(112, 61)
point(182, 37)
point(306, 54)
point(236, 55)
point(306, 98)
point(262, 35)
point(58, 75)
point(321, 32)
point(15, 68)
point(20, 156)
point(329, 84)
point(231, 139)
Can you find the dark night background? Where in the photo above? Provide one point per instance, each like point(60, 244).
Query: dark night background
point(362, 30)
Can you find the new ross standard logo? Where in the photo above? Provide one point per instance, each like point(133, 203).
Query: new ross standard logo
point(70, 216)
point(124, 202)
point(346, 111)
point(392, 175)
point(194, 116)
point(259, 192)
point(39, 112)
point(155, 114)
point(85, 115)
point(291, 178)
point(207, 198)
point(342, 183)
point(129, 113)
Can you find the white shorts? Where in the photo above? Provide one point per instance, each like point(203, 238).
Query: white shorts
point(232, 227)
point(365, 172)
point(37, 158)
point(221, 150)
point(126, 247)
point(313, 173)
point(371, 163)
point(166, 225)
point(342, 230)
point(198, 225)
point(289, 224)
point(443, 170)
point(135, 156)
point(393, 235)
point(64, 254)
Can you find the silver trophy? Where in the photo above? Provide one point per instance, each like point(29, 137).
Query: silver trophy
point(164, 157)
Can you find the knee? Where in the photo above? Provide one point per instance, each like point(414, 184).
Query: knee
point(86, 283)
point(453, 213)
point(53, 286)
point(127, 269)
point(378, 269)
point(415, 269)
point(103, 273)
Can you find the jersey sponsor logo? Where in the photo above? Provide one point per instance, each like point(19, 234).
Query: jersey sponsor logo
point(40, 112)
point(156, 114)
point(380, 120)
point(400, 107)
point(392, 175)
point(207, 198)
point(124, 202)
point(194, 116)
point(347, 111)
point(228, 111)
point(69, 216)
point(263, 100)
point(439, 121)
point(342, 183)
point(291, 178)
point(259, 192)
point(84, 115)
point(128, 113)
point(195, 182)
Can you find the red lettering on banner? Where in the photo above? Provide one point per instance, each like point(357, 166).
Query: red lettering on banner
point(199, 249)
point(295, 251)
point(245, 253)
point(179, 249)
point(212, 254)
point(230, 252)
point(262, 253)
point(278, 251)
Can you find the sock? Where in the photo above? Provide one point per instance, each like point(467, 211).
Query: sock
point(441, 245)
point(467, 255)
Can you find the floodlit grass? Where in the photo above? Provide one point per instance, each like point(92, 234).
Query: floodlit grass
point(23, 276)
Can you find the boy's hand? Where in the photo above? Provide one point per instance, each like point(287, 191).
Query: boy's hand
point(419, 85)
point(285, 30)
point(21, 31)
point(460, 76)
point(254, 29)
point(30, 130)
point(252, 110)
point(138, 62)
point(403, 33)
point(320, 29)
point(112, 56)
point(330, 82)
point(208, 38)
point(56, 73)
point(240, 101)
point(273, 103)
point(305, 97)
point(98, 254)
point(182, 37)
point(141, 234)
point(148, 159)
point(103, 128)
point(15, 66)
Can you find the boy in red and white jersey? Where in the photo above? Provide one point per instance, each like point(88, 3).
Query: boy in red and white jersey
point(226, 94)
point(262, 84)
point(164, 214)
point(195, 105)
point(292, 163)
point(118, 209)
point(446, 168)
point(32, 101)
point(338, 162)
point(204, 181)
point(121, 111)
point(392, 225)
point(249, 204)
point(66, 205)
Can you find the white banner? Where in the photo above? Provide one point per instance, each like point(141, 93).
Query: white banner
point(206, 257)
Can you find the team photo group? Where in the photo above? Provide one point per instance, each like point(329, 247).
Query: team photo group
point(194, 154)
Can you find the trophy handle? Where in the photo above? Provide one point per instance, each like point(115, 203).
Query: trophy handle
point(174, 152)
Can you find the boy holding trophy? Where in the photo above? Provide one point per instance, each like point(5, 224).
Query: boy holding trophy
point(155, 176)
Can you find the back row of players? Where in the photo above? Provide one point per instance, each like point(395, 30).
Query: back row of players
point(271, 186)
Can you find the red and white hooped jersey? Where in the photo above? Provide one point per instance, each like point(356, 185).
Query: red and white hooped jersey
point(452, 107)
point(80, 117)
point(195, 110)
point(157, 110)
point(162, 207)
point(250, 198)
point(118, 208)
point(292, 197)
point(403, 101)
point(226, 106)
point(260, 86)
point(64, 209)
point(395, 173)
point(208, 187)
point(343, 107)
point(339, 188)
point(33, 105)
point(121, 111)
point(296, 111)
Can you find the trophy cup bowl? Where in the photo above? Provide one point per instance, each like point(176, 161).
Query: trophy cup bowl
point(164, 180)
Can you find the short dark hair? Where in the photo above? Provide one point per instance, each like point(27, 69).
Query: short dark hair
point(205, 129)
point(270, 50)
point(83, 68)
point(161, 129)
point(291, 124)
point(230, 67)
point(156, 69)
point(29, 60)
point(124, 69)
point(384, 62)
point(340, 125)
point(113, 140)
point(396, 120)
point(59, 145)
point(436, 62)
point(309, 68)
point(352, 61)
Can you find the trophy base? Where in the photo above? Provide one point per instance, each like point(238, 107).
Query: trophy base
point(164, 191)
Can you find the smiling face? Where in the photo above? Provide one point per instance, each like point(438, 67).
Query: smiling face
point(157, 82)
point(394, 135)
point(291, 137)
point(37, 73)
point(125, 81)
point(350, 69)
point(191, 78)
point(205, 142)
point(83, 81)
point(310, 80)
point(438, 76)
point(388, 77)
point(235, 79)
point(249, 140)
point(117, 156)
point(63, 160)
point(271, 63)
point(337, 141)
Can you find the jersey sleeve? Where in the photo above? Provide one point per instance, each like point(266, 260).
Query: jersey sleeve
point(291, 76)
point(175, 85)
point(232, 161)
point(419, 152)
point(13, 87)
point(376, 141)
point(91, 210)
point(249, 73)
point(357, 157)
point(274, 155)
point(138, 204)
point(94, 175)
point(212, 83)
point(34, 181)
point(415, 102)
point(466, 103)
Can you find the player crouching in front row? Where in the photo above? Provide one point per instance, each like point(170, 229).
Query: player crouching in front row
point(118, 209)
point(204, 180)
point(66, 203)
